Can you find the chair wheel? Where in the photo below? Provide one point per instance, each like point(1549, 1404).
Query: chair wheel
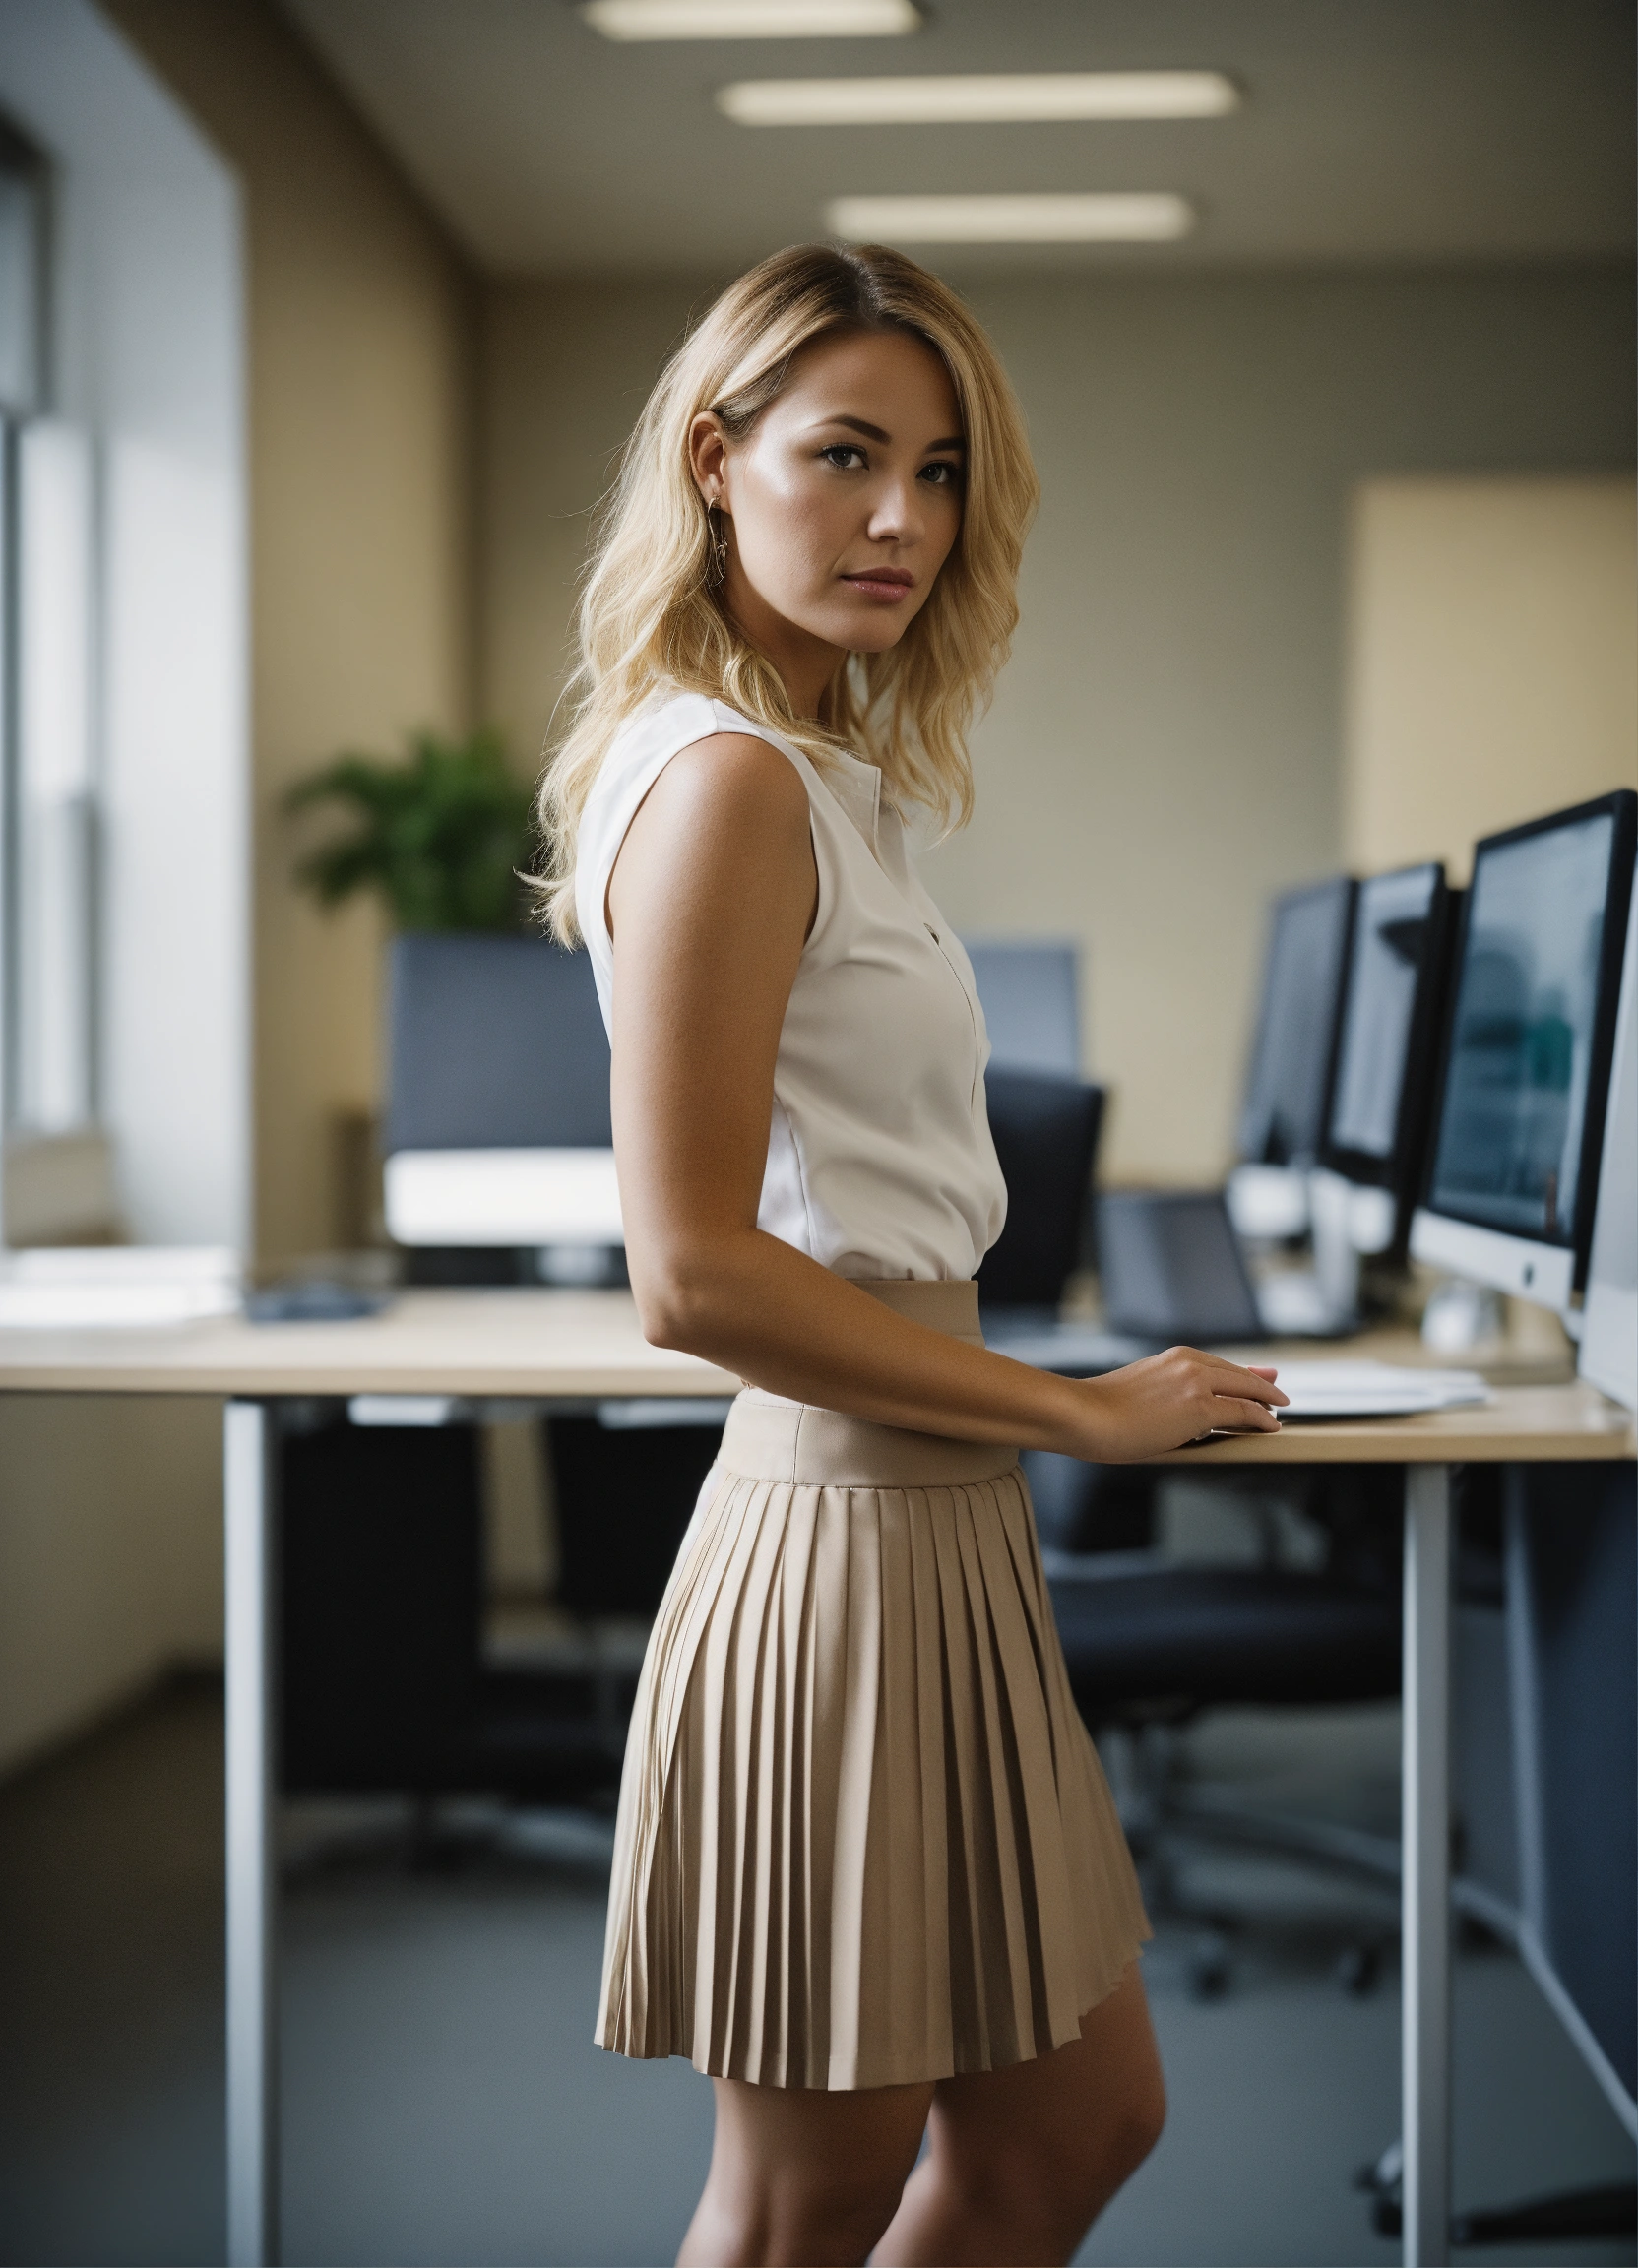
point(1209, 1969)
point(1360, 1971)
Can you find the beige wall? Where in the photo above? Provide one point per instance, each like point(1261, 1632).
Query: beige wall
point(1166, 748)
point(111, 1555)
point(361, 326)
point(1492, 660)
point(566, 368)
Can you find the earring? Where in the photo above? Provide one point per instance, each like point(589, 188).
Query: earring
point(717, 566)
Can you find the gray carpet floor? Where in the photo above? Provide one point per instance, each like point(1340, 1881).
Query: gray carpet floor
point(443, 2103)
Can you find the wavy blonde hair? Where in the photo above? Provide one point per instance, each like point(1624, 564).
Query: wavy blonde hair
point(650, 615)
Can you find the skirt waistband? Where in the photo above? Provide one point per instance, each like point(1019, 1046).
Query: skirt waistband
point(769, 1439)
point(950, 1305)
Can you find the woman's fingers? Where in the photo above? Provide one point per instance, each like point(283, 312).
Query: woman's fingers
point(1253, 1385)
point(1243, 1417)
point(1196, 1394)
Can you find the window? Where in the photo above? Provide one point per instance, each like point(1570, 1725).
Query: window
point(47, 567)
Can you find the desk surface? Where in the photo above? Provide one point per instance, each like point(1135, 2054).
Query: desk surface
point(526, 1344)
point(495, 1343)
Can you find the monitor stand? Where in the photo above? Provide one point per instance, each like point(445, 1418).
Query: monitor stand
point(1322, 1301)
point(1460, 1315)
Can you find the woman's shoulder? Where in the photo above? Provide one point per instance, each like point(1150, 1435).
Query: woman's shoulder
point(667, 721)
point(643, 745)
point(665, 725)
point(670, 720)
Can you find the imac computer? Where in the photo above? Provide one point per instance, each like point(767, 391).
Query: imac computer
point(1287, 1088)
point(1512, 1182)
point(1368, 1172)
point(1288, 1091)
point(1375, 1149)
point(1609, 1318)
point(498, 1128)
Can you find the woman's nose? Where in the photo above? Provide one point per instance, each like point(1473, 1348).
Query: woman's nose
point(894, 511)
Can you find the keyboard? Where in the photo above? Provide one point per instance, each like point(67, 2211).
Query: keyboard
point(1320, 1390)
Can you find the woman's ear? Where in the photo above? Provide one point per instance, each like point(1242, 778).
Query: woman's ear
point(708, 456)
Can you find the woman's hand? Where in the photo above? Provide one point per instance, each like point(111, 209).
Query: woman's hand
point(1169, 1399)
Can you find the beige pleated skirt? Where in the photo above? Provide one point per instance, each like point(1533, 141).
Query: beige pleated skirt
point(864, 1836)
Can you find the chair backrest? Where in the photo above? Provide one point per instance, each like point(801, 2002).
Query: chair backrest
point(1045, 1131)
point(494, 1044)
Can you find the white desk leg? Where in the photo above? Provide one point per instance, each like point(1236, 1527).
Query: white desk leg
point(252, 1879)
point(1426, 1913)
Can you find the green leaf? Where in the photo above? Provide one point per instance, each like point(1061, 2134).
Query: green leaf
point(440, 834)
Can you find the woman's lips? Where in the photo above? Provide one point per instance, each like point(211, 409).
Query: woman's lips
point(887, 583)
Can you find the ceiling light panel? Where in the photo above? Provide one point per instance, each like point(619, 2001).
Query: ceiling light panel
point(629, 20)
point(1140, 218)
point(1013, 98)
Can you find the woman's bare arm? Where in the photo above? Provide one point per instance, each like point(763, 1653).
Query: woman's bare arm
point(710, 900)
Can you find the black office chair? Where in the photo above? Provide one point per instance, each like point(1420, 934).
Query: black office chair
point(1046, 1131)
point(1152, 1645)
point(383, 1683)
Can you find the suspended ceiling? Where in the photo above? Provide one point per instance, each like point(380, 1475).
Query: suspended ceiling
point(1371, 131)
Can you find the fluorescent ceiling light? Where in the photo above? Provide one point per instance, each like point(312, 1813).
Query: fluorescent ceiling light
point(1149, 217)
point(752, 19)
point(1017, 97)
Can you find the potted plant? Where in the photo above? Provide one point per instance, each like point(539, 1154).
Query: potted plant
point(441, 834)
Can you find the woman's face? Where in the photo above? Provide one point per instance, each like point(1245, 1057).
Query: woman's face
point(842, 504)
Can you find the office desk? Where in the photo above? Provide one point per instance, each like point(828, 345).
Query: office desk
point(1524, 1424)
point(506, 1347)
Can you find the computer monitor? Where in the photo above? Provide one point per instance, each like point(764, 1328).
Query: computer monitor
point(1171, 1268)
point(1287, 1092)
point(1393, 1005)
point(1030, 991)
point(1524, 1072)
point(1610, 1321)
point(498, 1129)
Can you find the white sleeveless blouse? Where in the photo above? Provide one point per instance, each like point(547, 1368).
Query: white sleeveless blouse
point(880, 1162)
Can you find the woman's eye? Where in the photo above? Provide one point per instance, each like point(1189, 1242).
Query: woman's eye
point(941, 473)
point(843, 455)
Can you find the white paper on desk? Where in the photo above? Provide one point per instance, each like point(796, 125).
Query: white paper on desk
point(110, 1306)
point(1376, 1390)
point(78, 1287)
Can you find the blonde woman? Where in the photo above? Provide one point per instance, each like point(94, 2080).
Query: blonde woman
point(867, 1872)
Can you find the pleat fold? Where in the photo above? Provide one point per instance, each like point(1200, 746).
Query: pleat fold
point(864, 1836)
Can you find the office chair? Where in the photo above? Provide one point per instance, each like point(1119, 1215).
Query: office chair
point(1046, 1129)
point(383, 1683)
point(1151, 1645)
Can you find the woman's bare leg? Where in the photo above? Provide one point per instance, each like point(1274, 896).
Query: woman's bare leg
point(803, 2177)
point(1022, 2162)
